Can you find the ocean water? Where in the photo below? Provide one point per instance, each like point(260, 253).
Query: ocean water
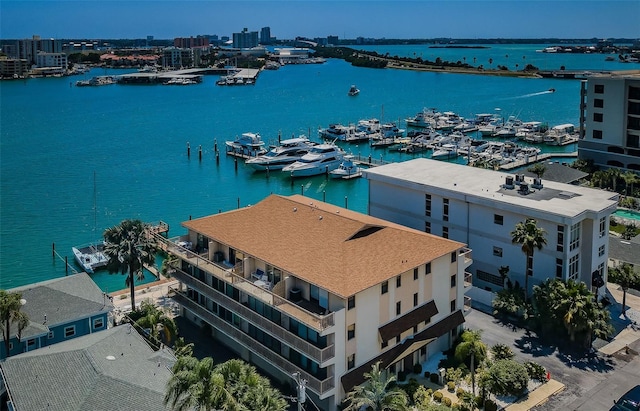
point(54, 137)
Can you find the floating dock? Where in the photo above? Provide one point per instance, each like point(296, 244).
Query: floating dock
point(535, 159)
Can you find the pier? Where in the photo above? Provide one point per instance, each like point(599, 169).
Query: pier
point(161, 77)
point(535, 159)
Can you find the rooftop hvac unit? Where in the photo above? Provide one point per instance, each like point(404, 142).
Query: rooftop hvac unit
point(524, 188)
point(537, 183)
point(508, 182)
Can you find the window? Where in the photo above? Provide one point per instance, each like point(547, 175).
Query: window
point(603, 226)
point(415, 329)
point(597, 134)
point(415, 299)
point(574, 266)
point(351, 302)
point(427, 205)
point(351, 332)
point(69, 331)
point(427, 268)
point(489, 278)
point(445, 209)
point(598, 88)
point(384, 344)
point(597, 117)
point(351, 361)
point(427, 227)
point(385, 287)
point(10, 346)
point(453, 305)
point(454, 257)
point(574, 238)
point(50, 335)
point(98, 323)
point(498, 219)
point(31, 343)
point(453, 280)
point(598, 103)
point(415, 273)
point(497, 251)
point(559, 268)
point(399, 281)
point(398, 307)
point(397, 339)
point(601, 251)
point(445, 232)
point(560, 243)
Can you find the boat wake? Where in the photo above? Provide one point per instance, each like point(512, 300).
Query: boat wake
point(540, 93)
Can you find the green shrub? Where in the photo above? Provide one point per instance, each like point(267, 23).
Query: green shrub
point(459, 392)
point(422, 396)
point(411, 387)
point(507, 377)
point(402, 375)
point(502, 352)
point(437, 396)
point(451, 386)
point(536, 371)
point(490, 406)
point(417, 369)
point(446, 401)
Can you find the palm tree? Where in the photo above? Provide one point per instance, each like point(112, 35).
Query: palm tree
point(629, 178)
point(195, 385)
point(600, 179)
point(625, 276)
point(10, 305)
point(129, 247)
point(504, 273)
point(169, 265)
point(529, 236)
point(473, 349)
point(614, 174)
point(538, 169)
point(375, 394)
point(157, 321)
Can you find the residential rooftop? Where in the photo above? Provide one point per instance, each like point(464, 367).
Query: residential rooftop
point(482, 185)
point(113, 369)
point(334, 248)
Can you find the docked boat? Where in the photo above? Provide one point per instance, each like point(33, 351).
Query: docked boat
point(288, 152)
point(354, 91)
point(423, 119)
point(445, 151)
point(90, 257)
point(560, 135)
point(339, 132)
point(247, 144)
point(321, 158)
point(347, 169)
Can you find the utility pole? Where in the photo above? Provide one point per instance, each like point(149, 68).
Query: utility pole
point(301, 386)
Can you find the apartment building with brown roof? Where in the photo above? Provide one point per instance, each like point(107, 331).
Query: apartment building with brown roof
point(295, 285)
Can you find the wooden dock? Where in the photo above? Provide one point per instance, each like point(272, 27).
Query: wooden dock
point(535, 159)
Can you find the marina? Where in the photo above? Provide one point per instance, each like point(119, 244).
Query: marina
point(146, 129)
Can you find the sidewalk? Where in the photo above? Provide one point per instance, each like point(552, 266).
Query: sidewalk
point(538, 396)
point(630, 334)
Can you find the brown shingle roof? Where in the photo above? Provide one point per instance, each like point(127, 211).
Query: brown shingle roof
point(336, 249)
point(356, 376)
point(410, 319)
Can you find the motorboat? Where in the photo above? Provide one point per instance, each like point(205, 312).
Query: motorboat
point(354, 91)
point(247, 144)
point(446, 151)
point(339, 132)
point(321, 158)
point(347, 169)
point(423, 119)
point(287, 152)
point(90, 257)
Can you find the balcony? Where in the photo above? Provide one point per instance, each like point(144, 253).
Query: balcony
point(319, 355)
point(468, 280)
point(318, 386)
point(465, 253)
point(466, 309)
point(234, 275)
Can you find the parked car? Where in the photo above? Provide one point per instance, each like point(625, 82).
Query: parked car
point(630, 401)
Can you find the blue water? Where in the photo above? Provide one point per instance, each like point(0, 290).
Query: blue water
point(54, 136)
point(630, 214)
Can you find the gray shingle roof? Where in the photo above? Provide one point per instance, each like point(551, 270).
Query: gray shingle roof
point(627, 251)
point(109, 370)
point(557, 172)
point(62, 300)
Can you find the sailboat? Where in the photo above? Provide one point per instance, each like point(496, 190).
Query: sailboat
point(91, 256)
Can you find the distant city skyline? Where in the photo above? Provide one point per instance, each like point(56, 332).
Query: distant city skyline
point(116, 19)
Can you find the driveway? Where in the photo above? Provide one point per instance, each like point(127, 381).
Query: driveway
point(582, 376)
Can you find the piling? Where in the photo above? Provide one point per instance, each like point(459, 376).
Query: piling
point(215, 145)
point(346, 202)
point(267, 170)
point(238, 202)
point(188, 150)
point(53, 250)
point(324, 196)
point(217, 157)
point(200, 152)
point(235, 160)
point(301, 189)
point(66, 266)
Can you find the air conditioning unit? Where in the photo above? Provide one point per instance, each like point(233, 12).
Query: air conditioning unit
point(524, 188)
point(508, 182)
point(537, 183)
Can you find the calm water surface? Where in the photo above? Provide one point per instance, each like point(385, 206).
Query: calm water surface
point(55, 136)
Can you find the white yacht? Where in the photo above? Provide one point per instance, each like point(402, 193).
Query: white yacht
point(321, 158)
point(423, 119)
point(247, 144)
point(347, 169)
point(90, 257)
point(288, 152)
point(354, 91)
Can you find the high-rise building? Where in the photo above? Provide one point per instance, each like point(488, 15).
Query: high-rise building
point(610, 120)
point(265, 35)
point(28, 49)
point(245, 39)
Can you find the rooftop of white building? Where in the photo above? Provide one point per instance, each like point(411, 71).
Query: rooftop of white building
point(488, 186)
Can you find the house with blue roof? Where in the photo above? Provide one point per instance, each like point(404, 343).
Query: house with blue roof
point(59, 310)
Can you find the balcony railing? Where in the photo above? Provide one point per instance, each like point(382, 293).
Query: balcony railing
point(234, 275)
point(318, 386)
point(319, 355)
point(468, 279)
point(467, 304)
point(466, 254)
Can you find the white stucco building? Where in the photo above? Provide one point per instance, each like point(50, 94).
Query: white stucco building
point(480, 208)
point(611, 114)
point(294, 285)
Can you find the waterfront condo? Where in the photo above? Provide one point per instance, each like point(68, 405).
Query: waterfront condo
point(294, 285)
point(482, 207)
